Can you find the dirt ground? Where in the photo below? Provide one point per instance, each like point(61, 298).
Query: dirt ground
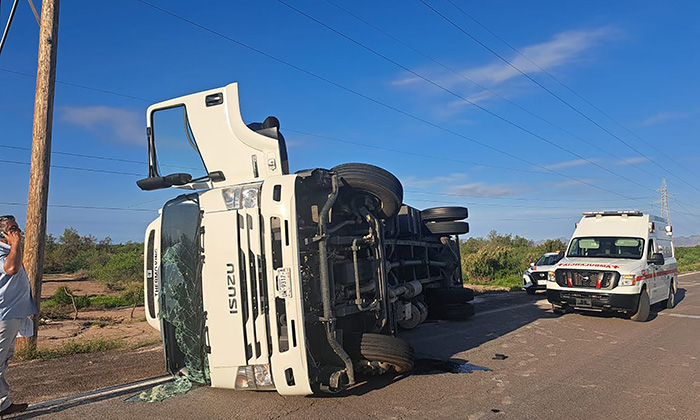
point(108, 324)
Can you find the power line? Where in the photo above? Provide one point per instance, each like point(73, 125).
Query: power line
point(94, 89)
point(570, 89)
point(562, 100)
point(6, 146)
point(461, 97)
point(68, 206)
point(15, 162)
point(376, 101)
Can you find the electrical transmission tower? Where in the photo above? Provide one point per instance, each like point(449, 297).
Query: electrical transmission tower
point(665, 212)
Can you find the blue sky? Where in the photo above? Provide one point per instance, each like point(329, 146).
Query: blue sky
point(405, 85)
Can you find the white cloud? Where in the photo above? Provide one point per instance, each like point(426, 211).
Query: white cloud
point(563, 49)
point(663, 117)
point(113, 124)
point(574, 183)
point(632, 161)
point(570, 163)
point(482, 189)
point(425, 183)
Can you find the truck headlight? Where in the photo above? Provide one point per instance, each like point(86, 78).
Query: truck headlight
point(627, 280)
point(551, 276)
point(243, 197)
point(254, 377)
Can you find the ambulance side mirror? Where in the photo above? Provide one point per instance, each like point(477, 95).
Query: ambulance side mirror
point(657, 258)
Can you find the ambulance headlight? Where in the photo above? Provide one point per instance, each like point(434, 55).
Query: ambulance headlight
point(551, 276)
point(627, 280)
point(254, 377)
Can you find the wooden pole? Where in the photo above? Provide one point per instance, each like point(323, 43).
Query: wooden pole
point(35, 230)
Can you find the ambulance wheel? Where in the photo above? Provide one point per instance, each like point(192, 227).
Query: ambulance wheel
point(671, 301)
point(559, 310)
point(530, 290)
point(643, 308)
point(380, 353)
point(380, 184)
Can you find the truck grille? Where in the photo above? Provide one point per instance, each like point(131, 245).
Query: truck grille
point(585, 278)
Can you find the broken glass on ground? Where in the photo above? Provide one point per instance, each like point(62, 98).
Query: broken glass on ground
point(433, 366)
point(164, 391)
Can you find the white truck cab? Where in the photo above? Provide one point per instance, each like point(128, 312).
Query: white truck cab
point(619, 261)
point(259, 279)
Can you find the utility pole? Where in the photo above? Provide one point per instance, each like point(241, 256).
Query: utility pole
point(35, 231)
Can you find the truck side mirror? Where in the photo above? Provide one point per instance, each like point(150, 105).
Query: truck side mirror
point(657, 258)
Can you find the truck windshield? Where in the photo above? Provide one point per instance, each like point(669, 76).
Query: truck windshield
point(606, 247)
point(176, 148)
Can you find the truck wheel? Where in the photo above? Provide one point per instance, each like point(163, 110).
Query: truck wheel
point(440, 214)
point(444, 295)
point(414, 321)
point(384, 352)
point(671, 301)
point(448, 228)
point(375, 181)
point(643, 307)
point(530, 290)
point(452, 311)
point(423, 309)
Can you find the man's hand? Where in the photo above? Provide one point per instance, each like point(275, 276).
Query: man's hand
point(14, 237)
point(13, 262)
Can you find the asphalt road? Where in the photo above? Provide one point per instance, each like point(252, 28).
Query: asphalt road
point(577, 366)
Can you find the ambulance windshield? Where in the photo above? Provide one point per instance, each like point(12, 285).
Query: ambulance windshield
point(606, 247)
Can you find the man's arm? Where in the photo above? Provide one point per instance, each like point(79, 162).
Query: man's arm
point(13, 262)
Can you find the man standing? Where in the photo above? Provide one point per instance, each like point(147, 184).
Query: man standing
point(15, 303)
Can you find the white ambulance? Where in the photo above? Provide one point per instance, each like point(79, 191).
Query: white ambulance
point(619, 261)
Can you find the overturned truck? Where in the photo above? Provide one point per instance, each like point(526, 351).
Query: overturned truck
point(259, 279)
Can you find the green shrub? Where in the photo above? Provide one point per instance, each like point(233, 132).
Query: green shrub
point(688, 258)
point(120, 269)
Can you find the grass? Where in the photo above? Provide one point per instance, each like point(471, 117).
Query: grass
point(511, 282)
point(71, 347)
point(688, 259)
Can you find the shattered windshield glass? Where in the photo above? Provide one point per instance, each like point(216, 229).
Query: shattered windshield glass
point(181, 305)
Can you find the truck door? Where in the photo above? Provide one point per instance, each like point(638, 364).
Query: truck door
point(180, 301)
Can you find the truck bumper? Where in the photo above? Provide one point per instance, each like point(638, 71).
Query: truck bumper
point(593, 300)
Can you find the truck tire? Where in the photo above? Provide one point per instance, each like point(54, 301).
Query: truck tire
point(375, 181)
point(444, 295)
point(392, 353)
point(448, 228)
point(452, 311)
point(642, 313)
point(441, 214)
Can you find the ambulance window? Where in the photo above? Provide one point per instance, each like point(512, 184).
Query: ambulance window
point(651, 248)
